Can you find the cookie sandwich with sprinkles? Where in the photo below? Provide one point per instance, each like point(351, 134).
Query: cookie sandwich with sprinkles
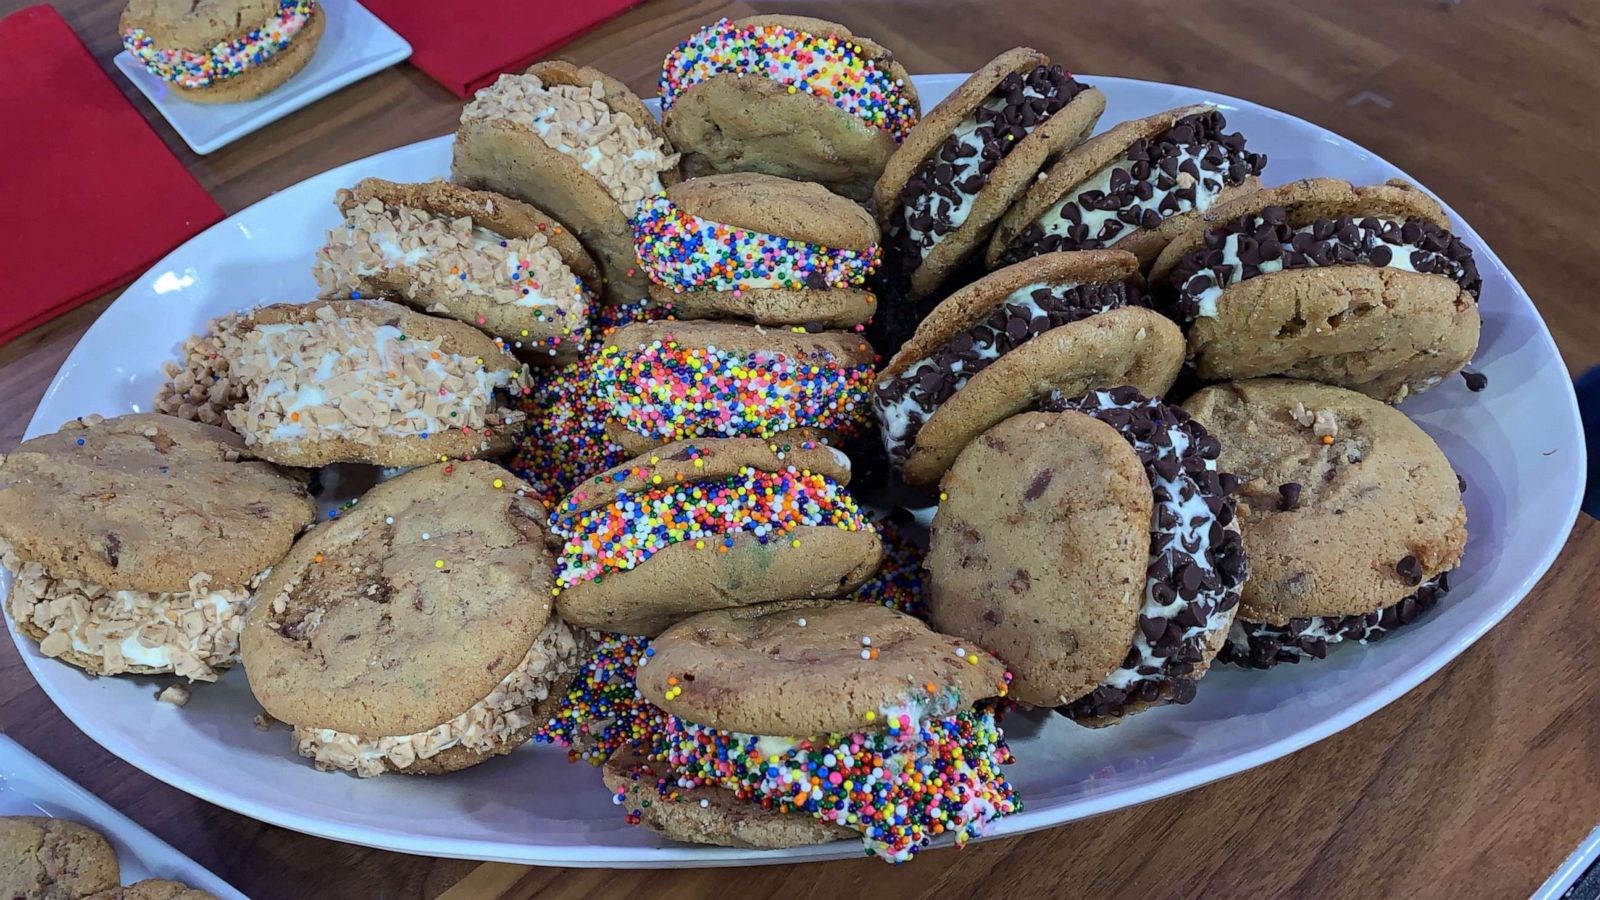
point(663, 381)
point(1134, 187)
point(222, 52)
point(970, 157)
point(759, 248)
point(429, 602)
point(1060, 322)
point(1093, 547)
point(804, 723)
point(791, 96)
point(364, 381)
point(1352, 514)
point(709, 524)
point(576, 143)
point(122, 537)
point(1360, 287)
point(495, 263)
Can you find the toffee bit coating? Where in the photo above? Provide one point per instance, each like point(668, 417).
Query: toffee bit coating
point(687, 253)
point(824, 66)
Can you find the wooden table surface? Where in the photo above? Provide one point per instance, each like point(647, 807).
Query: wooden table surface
point(1477, 783)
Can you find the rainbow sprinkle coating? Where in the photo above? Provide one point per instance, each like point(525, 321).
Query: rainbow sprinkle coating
point(898, 583)
point(825, 66)
point(603, 710)
point(684, 252)
point(673, 391)
point(192, 69)
point(900, 787)
point(634, 527)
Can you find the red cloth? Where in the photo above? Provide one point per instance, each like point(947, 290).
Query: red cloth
point(93, 195)
point(466, 44)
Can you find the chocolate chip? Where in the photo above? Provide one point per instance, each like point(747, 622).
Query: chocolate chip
point(1040, 483)
point(113, 549)
point(1289, 495)
point(1476, 381)
point(1409, 569)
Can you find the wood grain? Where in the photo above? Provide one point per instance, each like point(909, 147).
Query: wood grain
point(1477, 783)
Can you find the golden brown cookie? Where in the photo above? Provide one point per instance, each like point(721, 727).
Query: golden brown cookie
point(945, 188)
point(1065, 322)
point(354, 381)
point(1030, 553)
point(791, 96)
point(708, 524)
point(54, 859)
point(1351, 512)
point(162, 889)
point(1135, 187)
point(416, 622)
point(1359, 287)
point(474, 256)
point(664, 381)
point(135, 543)
point(576, 143)
point(222, 51)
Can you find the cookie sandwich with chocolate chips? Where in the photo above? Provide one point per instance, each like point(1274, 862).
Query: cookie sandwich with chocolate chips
point(1134, 187)
point(709, 524)
point(579, 145)
point(1352, 514)
point(955, 174)
point(1064, 322)
point(136, 544)
point(805, 723)
point(1091, 546)
point(364, 381)
point(474, 256)
point(759, 248)
point(663, 381)
point(414, 633)
point(225, 51)
point(792, 96)
point(1359, 287)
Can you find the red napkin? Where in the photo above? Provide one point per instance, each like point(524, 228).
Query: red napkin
point(94, 194)
point(466, 44)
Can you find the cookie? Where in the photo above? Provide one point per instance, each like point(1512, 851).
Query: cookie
point(1359, 287)
point(577, 144)
point(135, 543)
point(1352, 514)
point(790, 96)
point(707, 524)
point(162, 889)
point(857, 697)
point(1065, 322)
point(1106, 579)
point(222, 51)
point(473, 256)
point(365, 381)
point(757, 247)
point(429, 601)
point(663, 381)
point(1134, 187)
point(54, 859)
point(964, 164)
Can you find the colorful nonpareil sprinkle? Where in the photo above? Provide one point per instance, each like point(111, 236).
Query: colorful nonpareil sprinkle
point(603, 711)
point(898, 583)
point(673, 391)
point(633, 527)
point(687, 253)
point(831, 68)
point(900, 787)
point(198, 69)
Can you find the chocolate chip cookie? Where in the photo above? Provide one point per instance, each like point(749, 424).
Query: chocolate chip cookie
point(791, 96)
point(1134, 187)
point(224, 51)
point(55, 859)
point(576, 143)
point(1352, 514)
point(1359, 287)
point(1065, 322)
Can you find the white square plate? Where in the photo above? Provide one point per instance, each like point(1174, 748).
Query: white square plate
point(354, 44)
point(29, 787)
point(1518, 444)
